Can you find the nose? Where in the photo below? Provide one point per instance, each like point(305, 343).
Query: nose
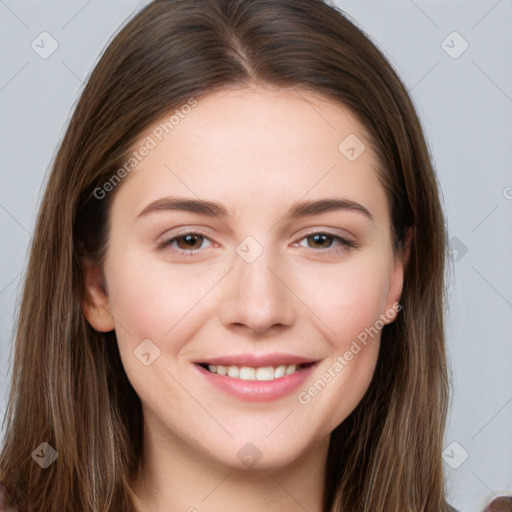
point(257, 296)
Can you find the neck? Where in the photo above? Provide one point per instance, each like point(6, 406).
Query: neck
point(176, 477)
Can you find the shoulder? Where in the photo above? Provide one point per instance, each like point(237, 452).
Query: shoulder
point(500, 503)
point(7, 502)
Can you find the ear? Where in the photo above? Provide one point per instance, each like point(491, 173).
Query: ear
point(95, 305)
point(396, 281)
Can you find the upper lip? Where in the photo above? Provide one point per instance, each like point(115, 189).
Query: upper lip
point(257, 360)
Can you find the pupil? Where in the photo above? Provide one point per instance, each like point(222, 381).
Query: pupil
point(321, 239)
point(190, 240)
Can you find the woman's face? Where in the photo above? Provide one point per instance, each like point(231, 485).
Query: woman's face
point(252, 235)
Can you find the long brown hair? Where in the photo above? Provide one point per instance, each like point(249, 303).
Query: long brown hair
point(69, 388)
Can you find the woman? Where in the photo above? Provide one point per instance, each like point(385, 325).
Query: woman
point(236, 278)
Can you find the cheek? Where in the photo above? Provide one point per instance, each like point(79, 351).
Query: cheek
point(347, 297)
point(349, 304)
point(340, 385)
point(151, 299)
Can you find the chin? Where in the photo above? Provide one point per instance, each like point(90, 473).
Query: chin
point(260, 454)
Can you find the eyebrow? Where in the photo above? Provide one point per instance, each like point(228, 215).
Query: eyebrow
point(214, 209)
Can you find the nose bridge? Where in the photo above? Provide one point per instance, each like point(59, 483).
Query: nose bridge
point(256, 280)
point(257, 297)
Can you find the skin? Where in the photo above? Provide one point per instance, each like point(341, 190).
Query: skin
point(256, 151)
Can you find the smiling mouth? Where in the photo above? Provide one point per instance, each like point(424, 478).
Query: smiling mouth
point(262, 373)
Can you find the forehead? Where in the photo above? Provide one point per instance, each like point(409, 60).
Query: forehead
point(253, 148)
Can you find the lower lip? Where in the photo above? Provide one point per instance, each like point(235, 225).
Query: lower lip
point(257, 390)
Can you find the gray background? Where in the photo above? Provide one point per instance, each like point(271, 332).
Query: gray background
point(465, 103)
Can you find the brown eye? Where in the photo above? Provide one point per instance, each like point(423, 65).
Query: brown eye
point(320, 241)
point(186, 244)
point(327, 242)
point(189, 241)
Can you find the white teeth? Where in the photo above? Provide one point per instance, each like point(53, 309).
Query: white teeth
point(263, 373)
point(291, 369)
point(247, 373)
point(280, 371)
point(233, 371)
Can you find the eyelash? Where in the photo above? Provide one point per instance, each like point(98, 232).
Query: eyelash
point(344, 244)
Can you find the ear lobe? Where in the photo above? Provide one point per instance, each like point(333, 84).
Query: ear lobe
point(95, 304)
point(396, 281)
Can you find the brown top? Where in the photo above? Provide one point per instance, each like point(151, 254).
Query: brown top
point(500, 504)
